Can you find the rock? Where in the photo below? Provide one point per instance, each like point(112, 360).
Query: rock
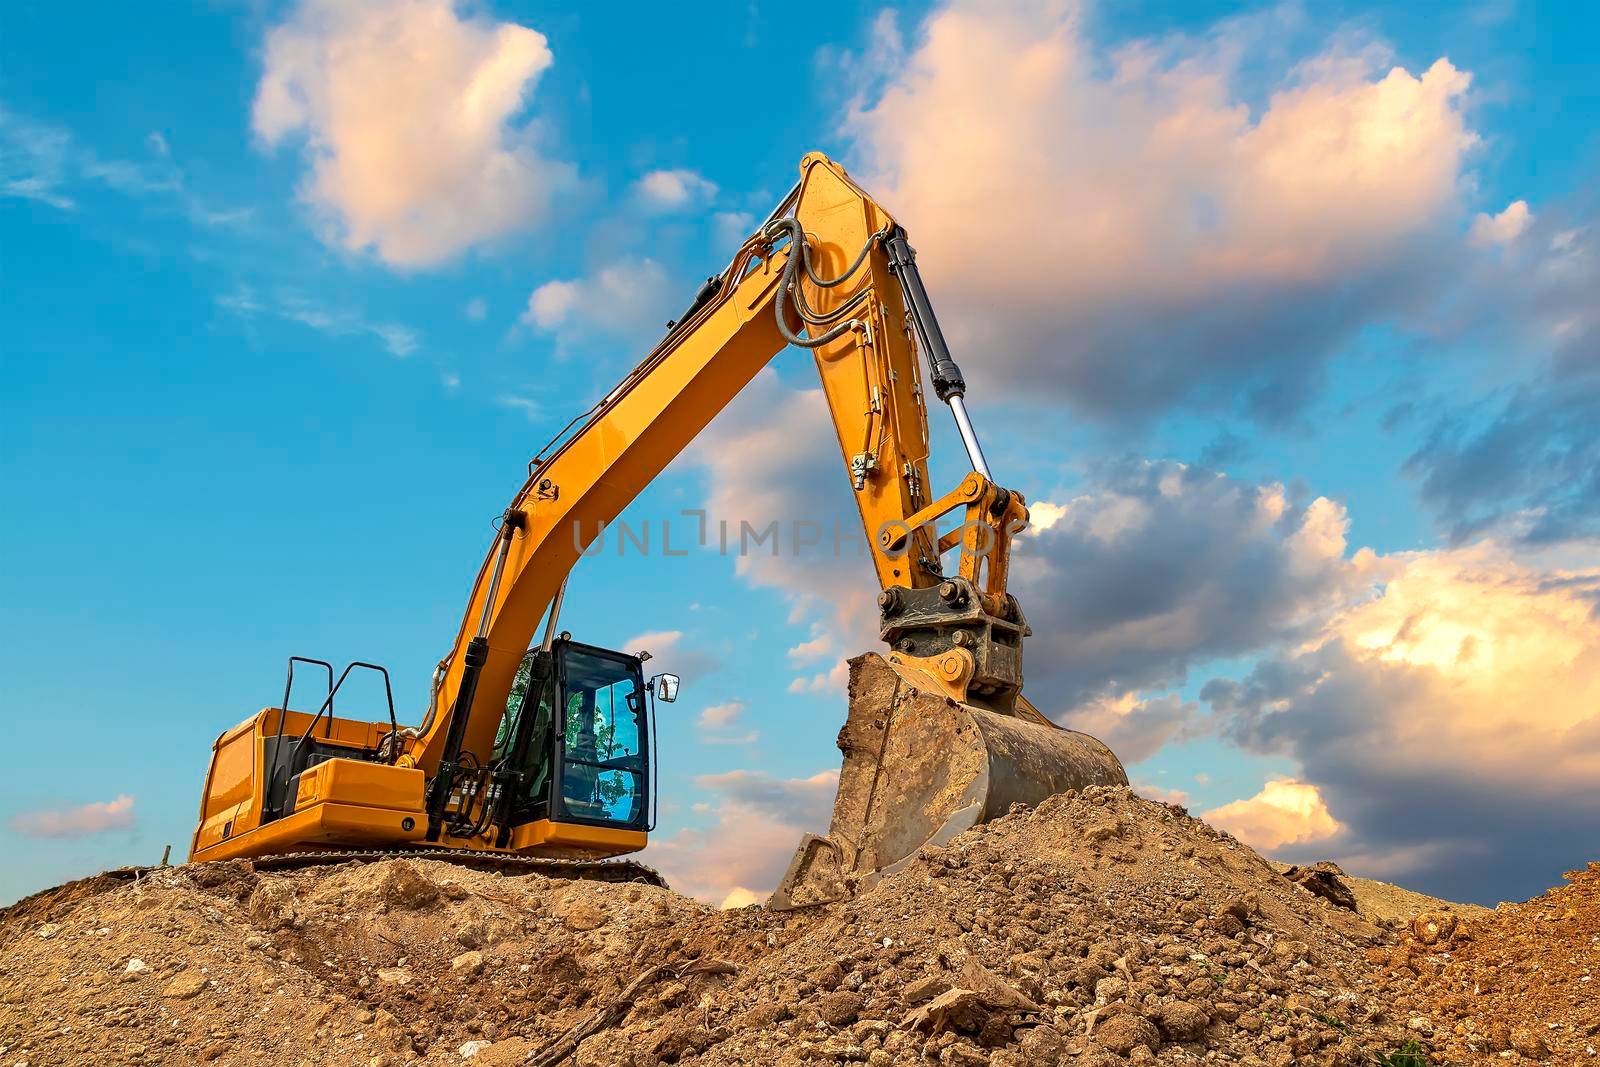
point(186, 986)
point(1529, 1042)
point(1325, 880)
point(1227, 924)
point(135, 966)
point(925, 988)
point(467, 965)
point(403, 886)
point(48, 930)
point(1041, 1045)
point(1181, 1021)
point(272, 905)
point(1123, 1033)
point(840, 1008)
point(1244, 907)
point(471, 1049)
point(827, 977)
point(393, 975)
point(1435, 927)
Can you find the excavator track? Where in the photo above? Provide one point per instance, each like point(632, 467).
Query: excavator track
point(615, 871)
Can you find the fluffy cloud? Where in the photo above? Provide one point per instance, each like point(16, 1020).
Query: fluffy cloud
point(1285, 812)
point(1160, 566)
point(628, 300)
point(1125, 231)
point(76, 822)
point(1503, 228)
point(1453, 718)
point(719, 715)
point(758, 820)
point(673, 190)
point(408, 113)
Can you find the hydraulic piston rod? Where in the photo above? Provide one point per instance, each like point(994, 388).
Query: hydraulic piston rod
point(948, 383)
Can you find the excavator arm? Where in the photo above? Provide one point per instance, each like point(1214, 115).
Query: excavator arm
point(830, 254)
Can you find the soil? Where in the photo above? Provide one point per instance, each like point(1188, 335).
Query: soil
point(1095, 930)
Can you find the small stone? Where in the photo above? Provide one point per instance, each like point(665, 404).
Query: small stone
point(135, 966)
point(468, 964)
point(186, 986)
point(472, 1048)
point(48, 930)
point(393, 975)
point(1420, 1024)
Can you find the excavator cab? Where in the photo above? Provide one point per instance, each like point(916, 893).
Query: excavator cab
point(577, 736)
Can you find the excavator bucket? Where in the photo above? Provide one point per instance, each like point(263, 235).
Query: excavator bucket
point(919, 768)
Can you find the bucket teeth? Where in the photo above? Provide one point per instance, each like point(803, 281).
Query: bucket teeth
point(919, 768)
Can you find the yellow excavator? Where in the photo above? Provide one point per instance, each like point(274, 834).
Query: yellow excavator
point(538, 754)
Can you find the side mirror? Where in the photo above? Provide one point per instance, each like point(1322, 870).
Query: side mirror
point(666, 687)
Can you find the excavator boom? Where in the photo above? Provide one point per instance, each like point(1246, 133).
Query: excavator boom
point(832, 272)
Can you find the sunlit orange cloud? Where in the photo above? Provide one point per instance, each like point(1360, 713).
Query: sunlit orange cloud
point(1284, 812)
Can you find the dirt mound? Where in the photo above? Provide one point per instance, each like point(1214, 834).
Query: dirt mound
point(1097, 929)
point(1520, 982)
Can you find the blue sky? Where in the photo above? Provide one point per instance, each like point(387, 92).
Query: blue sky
point(249, 415)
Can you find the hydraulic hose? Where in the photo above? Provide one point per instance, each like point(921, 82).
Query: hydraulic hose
point(800, 255)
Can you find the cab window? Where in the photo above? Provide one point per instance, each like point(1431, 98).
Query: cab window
point(603, 770)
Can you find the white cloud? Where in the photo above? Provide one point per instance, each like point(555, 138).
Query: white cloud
point(76, 822)
point(477, 309)
point(1127, 232)
point(408, 112)
point(673, 190)
point(718, 716)
point(1284, 812)
point(630, 300)
point(1503, 228)
point(815, 648)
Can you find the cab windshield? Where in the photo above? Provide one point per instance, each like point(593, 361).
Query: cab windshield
point(603, 771)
